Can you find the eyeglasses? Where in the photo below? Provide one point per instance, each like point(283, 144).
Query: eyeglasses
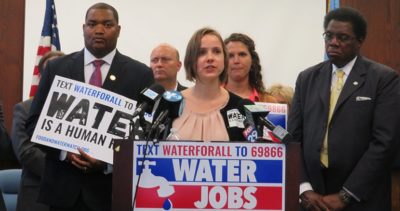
point(328, 36)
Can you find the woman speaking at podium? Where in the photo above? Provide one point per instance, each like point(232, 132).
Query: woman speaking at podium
point(208, 111)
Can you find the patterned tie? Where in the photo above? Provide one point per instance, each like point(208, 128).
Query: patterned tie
point(96, 79)
point(335, 92)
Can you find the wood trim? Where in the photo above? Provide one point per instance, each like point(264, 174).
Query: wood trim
point(11, 55)
point(383, 39)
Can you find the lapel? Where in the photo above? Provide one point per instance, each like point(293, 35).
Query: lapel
point(115, 73)
point(323, 85)
point(77, 67)
point(355, 80)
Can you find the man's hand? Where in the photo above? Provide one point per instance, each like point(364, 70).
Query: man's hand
point(312, 201)
point(85, 162)
point(334, 202)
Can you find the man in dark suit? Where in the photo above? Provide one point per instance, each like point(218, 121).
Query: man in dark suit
point(31, 157)
point(348, 142)
point(78, 181)
point(165, 64)
point(7, 156)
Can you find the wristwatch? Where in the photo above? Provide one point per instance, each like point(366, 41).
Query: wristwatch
point(345, 197)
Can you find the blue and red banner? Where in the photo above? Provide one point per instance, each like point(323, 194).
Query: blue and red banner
point(208, 176)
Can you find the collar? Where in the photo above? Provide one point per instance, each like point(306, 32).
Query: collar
point(254, 96)
point(89, 58)
point(346, 69)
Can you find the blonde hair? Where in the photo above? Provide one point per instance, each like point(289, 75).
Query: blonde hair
point(285, 92)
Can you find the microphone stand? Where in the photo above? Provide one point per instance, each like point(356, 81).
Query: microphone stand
point(167, 128)
point(132, 124)
point(160, 128)
point(145, 126)
point(156, 129)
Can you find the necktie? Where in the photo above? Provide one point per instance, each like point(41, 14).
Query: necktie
point(96, 79)
point(335, 92)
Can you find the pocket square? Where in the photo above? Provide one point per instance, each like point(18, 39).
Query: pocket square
point(362, 98)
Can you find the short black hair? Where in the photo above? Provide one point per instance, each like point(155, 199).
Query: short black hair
point(348, 14)
point(103, 6)
point(47, 56)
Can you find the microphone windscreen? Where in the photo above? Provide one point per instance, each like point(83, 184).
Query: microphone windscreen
point(254, 112)
point(171, 101)
point(150, 95)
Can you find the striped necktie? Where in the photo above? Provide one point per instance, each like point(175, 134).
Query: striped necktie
point(335, 92)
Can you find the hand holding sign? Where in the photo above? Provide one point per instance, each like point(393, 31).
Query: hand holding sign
point(85, 162)
point(81, 116)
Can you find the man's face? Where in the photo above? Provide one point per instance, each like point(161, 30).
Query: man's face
point(164, 63)
point(100, 32)
point(341, 44)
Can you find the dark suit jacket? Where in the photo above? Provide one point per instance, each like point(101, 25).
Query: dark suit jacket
point(7, 156)
point(363, 131)
point(31, 158)
point(62, 183)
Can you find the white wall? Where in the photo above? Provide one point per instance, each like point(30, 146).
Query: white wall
point(287, 33)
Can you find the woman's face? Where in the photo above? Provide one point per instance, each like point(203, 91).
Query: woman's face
point(239, 61)
point(210, 63)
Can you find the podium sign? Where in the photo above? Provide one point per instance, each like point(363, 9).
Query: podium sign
point(207, 176)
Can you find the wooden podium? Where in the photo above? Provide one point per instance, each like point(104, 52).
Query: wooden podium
point(123, 174)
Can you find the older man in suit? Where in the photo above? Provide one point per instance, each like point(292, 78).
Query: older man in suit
point(345, 112)
point(78, 181)
point(165, 64)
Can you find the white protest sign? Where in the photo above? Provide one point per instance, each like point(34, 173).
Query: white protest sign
point(79, 115)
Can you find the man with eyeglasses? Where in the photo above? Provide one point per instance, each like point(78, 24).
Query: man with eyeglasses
point(345, 112)
point(165, 64)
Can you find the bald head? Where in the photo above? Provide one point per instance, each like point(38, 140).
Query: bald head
point(167, 47)
point(165, 64)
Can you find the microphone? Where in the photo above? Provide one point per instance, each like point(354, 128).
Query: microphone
point(278, 131)
point(253, 113)
point(148, 97)
point(168, 109)
point(250, 130)
point(171, 101)
point(160, 119)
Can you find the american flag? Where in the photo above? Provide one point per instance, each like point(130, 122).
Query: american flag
point(49, 41)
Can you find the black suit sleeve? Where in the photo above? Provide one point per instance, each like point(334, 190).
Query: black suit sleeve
point(28, 153)
point(375, 163)
point(295, 123)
